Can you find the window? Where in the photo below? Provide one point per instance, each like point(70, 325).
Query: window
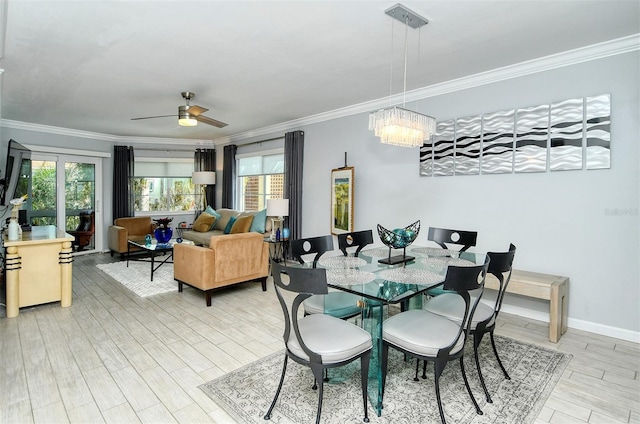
point(164, 186)
point(260, 177)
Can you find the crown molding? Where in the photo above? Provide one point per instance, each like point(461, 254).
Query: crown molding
point(27, 126)
point(571, 57)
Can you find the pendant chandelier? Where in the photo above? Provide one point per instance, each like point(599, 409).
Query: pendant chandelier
point(397, 125)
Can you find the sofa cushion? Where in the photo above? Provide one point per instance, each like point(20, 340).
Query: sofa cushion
point(225, 215)
point(213, 212)
point(242, 224)
point(259, 221)
point(229, 226)
point(204, 222)
point(201, 239)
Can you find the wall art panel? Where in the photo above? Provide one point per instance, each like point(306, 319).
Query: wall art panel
point(467, 146)
point(497, 142)
point(598, 132)
point(566, 133)
point(532, 134)
point(426, 159)
point(443, 148)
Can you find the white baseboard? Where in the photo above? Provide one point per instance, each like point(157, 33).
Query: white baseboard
point(578, 324)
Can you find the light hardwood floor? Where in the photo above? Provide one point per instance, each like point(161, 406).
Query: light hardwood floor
point(115, 357)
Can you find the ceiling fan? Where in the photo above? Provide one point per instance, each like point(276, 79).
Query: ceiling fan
point(189, 116)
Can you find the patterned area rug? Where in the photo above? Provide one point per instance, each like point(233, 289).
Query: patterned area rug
point(137, 277)
point(246, 393)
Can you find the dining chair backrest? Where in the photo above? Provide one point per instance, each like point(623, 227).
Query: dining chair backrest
point(308, 246)
point(501, 266)
point(358, 239)
point(464, 279)
point(442, 236)
point(305, 282)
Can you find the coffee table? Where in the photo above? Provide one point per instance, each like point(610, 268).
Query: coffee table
point(151, 250)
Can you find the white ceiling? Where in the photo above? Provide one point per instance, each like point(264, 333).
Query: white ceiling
point(93, 65)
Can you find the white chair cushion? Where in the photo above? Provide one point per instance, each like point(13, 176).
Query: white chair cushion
point(421, 332)
point(335, 340)
point(451, 306)
point(336, 304)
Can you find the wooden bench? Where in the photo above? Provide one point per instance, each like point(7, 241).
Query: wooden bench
point(553, 288)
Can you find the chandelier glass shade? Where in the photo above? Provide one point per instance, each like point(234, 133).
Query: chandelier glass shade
point(401, 127)
point(396, 125)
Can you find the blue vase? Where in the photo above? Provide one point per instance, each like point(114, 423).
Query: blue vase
point(163, 235)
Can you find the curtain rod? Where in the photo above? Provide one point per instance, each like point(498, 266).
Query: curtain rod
point(261, 141)
point(163, 150)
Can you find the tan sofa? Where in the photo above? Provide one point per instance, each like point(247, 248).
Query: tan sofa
point(229, 259)
point(130, 228)
point(202, 238)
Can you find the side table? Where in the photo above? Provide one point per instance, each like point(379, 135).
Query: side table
point(179, 230)
point(278, 249)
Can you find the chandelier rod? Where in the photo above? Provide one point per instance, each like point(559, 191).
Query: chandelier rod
point(406, 49)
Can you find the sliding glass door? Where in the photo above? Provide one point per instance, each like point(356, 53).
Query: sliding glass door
point(62, 187)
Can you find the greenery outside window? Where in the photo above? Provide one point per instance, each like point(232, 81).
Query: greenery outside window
point(164, 186)
point(260, 177)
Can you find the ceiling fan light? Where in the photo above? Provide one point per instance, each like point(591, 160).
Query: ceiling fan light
point(187, 122)
point(185, 119)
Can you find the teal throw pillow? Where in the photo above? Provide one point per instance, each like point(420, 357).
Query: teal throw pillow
point(232, 220)
point(259, 221)
point(212, 212)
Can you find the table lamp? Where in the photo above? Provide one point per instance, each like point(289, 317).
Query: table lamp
point(278, 208)
point(203, 178)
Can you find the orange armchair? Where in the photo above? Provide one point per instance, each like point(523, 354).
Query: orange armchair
point(229, 259)
point(129, 228)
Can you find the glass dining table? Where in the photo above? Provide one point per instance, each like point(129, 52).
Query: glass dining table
point(377, 286)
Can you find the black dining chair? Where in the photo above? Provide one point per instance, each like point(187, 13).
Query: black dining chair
point(357, 239)
point(444, 236)
point(484, 319)
point(338, 304)
point(318, 341)
point(432, 337)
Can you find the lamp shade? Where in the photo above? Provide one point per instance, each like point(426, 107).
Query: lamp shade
point(204, 177)
point(278, 207)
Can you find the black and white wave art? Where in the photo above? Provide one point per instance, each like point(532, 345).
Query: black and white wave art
point(566, 135)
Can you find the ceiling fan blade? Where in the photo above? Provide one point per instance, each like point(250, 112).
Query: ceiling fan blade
point(196, 110)
point(152, 117)
point(210, 121)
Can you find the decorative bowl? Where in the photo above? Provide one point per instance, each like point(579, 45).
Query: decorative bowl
point(399, 238)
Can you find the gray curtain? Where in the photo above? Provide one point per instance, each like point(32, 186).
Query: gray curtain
point(205, 160)
point(123, 172)
point(228, 175)
point(293, 161)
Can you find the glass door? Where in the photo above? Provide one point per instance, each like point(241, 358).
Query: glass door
point(63, 189)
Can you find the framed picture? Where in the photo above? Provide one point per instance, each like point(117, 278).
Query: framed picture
point(342, 188)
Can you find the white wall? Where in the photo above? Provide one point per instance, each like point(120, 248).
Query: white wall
point(559, 221)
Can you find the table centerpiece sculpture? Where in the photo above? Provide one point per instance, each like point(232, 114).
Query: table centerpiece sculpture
point(399, 238)
point(163, 232)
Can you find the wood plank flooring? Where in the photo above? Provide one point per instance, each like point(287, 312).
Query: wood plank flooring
point(114, 357)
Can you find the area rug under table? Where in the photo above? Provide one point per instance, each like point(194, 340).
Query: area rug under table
point(246, 393)
point(137, 277)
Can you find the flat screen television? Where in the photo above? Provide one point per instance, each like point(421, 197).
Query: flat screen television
point(17, 172)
